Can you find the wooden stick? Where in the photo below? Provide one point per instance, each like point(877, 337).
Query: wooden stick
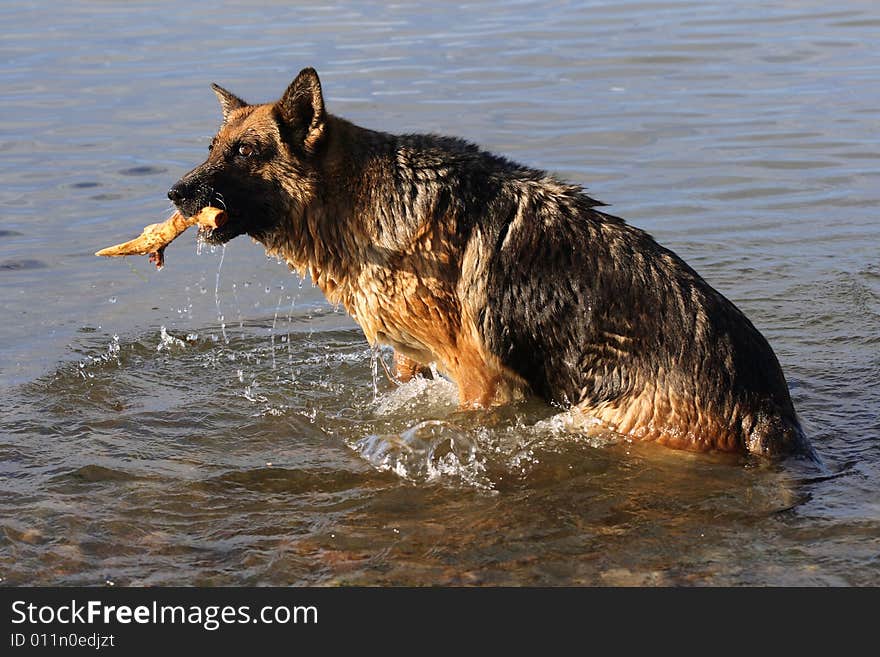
point(155, 237)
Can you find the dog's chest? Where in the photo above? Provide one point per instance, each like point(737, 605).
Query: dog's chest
point(416, 314)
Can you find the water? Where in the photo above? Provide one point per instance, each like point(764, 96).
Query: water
point(155, 433)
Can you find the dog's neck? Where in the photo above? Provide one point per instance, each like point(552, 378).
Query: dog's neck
point(363, 209)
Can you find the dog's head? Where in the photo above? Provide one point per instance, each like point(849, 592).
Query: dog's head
point(262, 164)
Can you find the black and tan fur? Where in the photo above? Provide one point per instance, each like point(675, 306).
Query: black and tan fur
point(512, 282)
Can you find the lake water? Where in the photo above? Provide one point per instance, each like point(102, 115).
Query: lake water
point(219, 423)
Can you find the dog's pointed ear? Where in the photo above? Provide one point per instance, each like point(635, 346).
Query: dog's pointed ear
point(301, 108)
point(229, 102)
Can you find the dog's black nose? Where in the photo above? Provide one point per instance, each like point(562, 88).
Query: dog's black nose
point(175, 194)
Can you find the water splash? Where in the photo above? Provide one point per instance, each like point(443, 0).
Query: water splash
point(167, 342)
point(576, 425)
point(113, 349)
point(112, 354)
point(430, 451)
point(437, 395)
point(251, 395)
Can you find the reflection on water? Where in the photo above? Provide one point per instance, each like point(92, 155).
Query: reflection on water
point(219, 423)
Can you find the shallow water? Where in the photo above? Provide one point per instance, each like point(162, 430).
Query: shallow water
point(212, 424)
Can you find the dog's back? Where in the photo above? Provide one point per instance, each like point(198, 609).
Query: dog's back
point(592, 312)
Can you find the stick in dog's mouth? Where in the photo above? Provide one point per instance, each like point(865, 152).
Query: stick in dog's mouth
point(155, 237)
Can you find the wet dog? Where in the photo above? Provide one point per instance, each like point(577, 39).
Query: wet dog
point(513, 282)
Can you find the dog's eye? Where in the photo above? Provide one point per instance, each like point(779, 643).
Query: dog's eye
point(245, 150)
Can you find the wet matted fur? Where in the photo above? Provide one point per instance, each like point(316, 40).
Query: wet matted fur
point(511, 281)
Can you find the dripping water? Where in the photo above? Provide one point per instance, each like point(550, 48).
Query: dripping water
point(238, 309)
point(374, 370)
point(274, 323)
point(220, 317)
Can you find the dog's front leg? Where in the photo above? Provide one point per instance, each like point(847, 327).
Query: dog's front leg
point(477, 389)
point(407, 368)
point(481, 383)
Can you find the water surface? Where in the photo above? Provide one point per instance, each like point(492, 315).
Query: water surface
point(219, 423)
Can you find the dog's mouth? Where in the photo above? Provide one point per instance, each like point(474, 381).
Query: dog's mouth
point(232, 228)
point(221, 234)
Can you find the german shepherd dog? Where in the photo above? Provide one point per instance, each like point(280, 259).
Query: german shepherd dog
point(512, 282)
